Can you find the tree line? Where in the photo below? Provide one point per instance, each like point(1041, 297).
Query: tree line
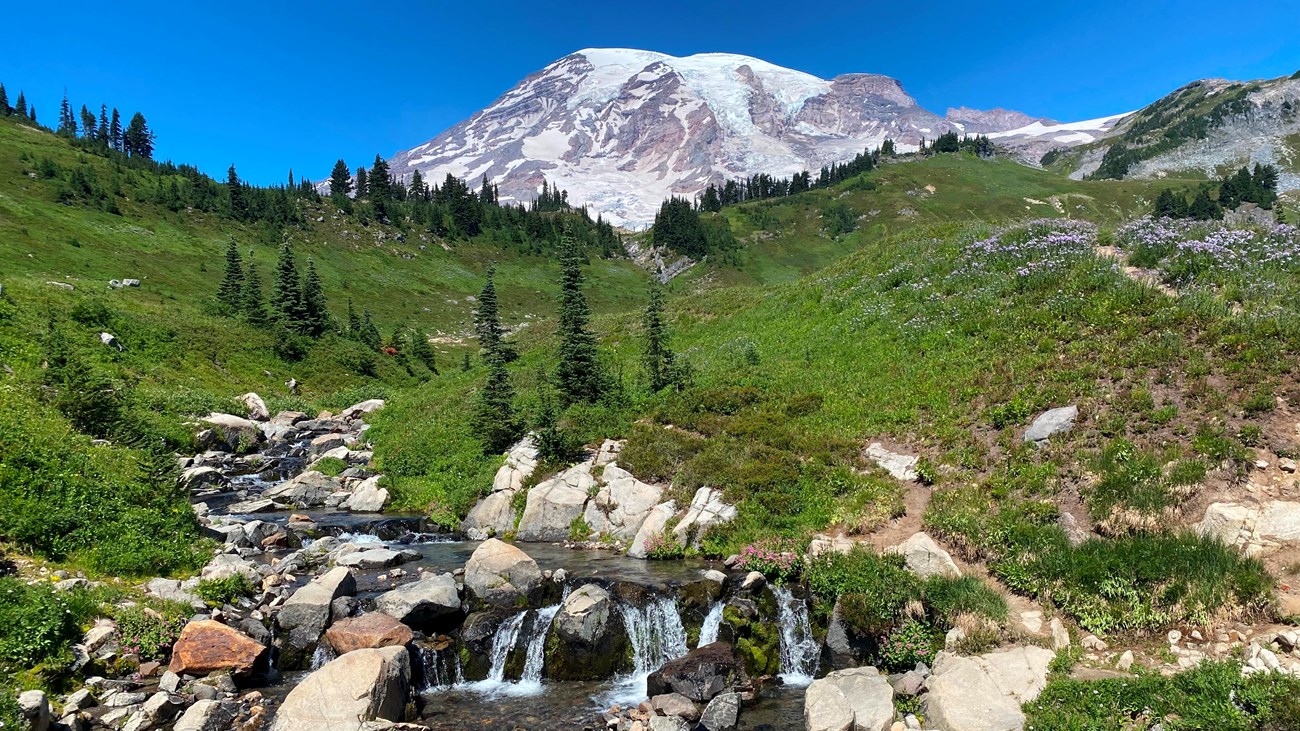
point(1258, 186)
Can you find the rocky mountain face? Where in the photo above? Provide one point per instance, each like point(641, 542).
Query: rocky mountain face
point(622, 130)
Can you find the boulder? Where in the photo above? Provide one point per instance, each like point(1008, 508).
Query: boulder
point(707, 509)
point(34, 710)
point(208, 715)
point(355, 411)
point(207, 646)
point(371, 630)
point(494, 515)
point(348, 691)
point(421, 604)
point(621, 505)
point(855, 699)
point(554, 504)
point(520, 462)
point(371, 558)
point(675, 704)
point(668, 723)
point(1253, 528)
point(225, 565)
point(233, 432)
point(501, 575)
point(925, 558)
point(256, 406)
point(308, 490)
point(589, 638)
point(111, 341)
point(326, 442)
point(699, 675)
point(722, 713)
point(157, 710)
point(985, 692)
point(653, 525)
point(367, 497)
point(173, 590)
point(899, 466)
point(1055, 421)
point(198, 478)
point(306, 614)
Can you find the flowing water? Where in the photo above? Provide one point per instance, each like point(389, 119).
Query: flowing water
point(800, 650)
point(657, 636)
point(323, 654)
point(712, 623)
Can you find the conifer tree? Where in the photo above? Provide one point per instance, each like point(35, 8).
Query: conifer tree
point(369, 333)
point(137, 140)
point(487, 320)
point(363, 183)
point(115, 131)
point(103, 131)
point(4, 101)
point(238, 205)
point(495, 421)
point(20, 106)
point(1204, 208)
point(230, 292)
point(340, 180)
point(285, 288)
point(31, 113)
point(658, 359)
point(252, 303)
point(314, 315)
point(381, 184)
point(422, 351)
point(87, 123)
point(67, 122)
point(354, 322)
point(578, 377)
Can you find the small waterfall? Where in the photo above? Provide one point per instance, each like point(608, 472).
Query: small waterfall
point(799, 649)
point(502, 643)
point(536, 655)
point(656, 633)
point(323, 654)
point(712, 622)
point(441, 668)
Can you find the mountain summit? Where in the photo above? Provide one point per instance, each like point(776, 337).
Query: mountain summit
point(623, 129)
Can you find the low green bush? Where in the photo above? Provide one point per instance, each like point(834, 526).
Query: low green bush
point(873, 588)
point(149, 633)
point(914, 641)
point(228, 590)
point(331, 466)
point(37, 625)
point(946, 598)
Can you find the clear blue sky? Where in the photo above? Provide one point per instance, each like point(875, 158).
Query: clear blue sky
point(273, 84)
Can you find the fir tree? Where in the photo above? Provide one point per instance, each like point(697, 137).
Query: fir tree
point(658, 359)
point(315, 317)
point(363, 183)
point(578, 377)
point(232, 282)
point(369, 333)
point(285, 289)
point(1170, 205)
point(67, 122)
point(494, 420)
point(238, 205)
point(1204, 208)
point(422, 351)
point(115, 131)
point(251, 302)
point(137, 141)
point(102, 133)
point(381, 184)
point(20, 106)
point(487, 320)
point(87, 123)
point(354, 322)
point(4, 101)
point(340, 180)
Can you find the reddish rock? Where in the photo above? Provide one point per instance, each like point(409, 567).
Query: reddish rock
point(207, 646)
point(372, 630)
point(149, 669)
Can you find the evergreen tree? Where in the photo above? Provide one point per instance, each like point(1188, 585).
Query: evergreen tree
point(464, 362)
point(252, 304)
point(4, 101)
point(578, 377)
point(887, 148)
point(494, 420)
point(67, 122)
point(102, 133)
point(417, 190)
point(137, 141)
point(422, 351)
point(230, 292)
point(369, 333)
point(658, 359)
point(238, 204)
point(87, 123)
point(1204, 208)
point(315, 316)
point(285, 289)
point(1167, 205)
point(381, 183)
point(363, 183)
point(115, 131)
point(20, 106)
point(487, 320)
point(354, 322)
point(340, 180)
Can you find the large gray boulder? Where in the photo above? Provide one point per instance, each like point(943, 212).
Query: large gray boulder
point(225, 565)
point(208, 715)
point(926, 558)
point(311, 489)
point(494, 515)
point(985, 692)
point(367, 497)
point(349, 691)
point(232, 432)
point(722, 713)
point(34, 710)
point(553, 505)
point(656, 521)
point(589, 637)
point(357, 410)
point(621, 505)
point(306, 614)
point(421, 604)
point(707, 510)
point(1055, 421)
point(501, 574)
point(856, 699)
point(900, 466)
point(257, 410)
point(1253, 528)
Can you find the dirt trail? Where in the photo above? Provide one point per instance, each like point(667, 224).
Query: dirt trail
point(1149, 277)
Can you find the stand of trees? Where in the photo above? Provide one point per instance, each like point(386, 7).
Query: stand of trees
point(1245, 186)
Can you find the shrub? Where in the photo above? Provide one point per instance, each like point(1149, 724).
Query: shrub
point(946, 598)
point(220, 592)
point(149, 633)
point(914, 641)
point(36, 624)
point(331, 466)
point(777, 559)
point(663, 547)
point(873, 588)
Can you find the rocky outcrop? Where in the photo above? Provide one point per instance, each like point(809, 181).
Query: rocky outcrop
point(656, 522)
point(422, 604)
point(368, 497)
point(310, 489)
point(1253, 529)
point(985, 692)
point(926, 558)
point(207, 646)
point(349, 691)
point(707, 510)
point(899, 466)
point(306, 614)
point(588, 637)
point(501, 575)
point(621, 505)
point(357, 410)
point(1050, 423)
point(369, 631)
point(234, 433)
point(257, 410)
point(855, 699)
point(34, 710)
point(554, 504)
point(208, 715)
point(699, 675)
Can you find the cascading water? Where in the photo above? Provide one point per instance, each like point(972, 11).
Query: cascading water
point(323, 654)
point(657, 636)
point(502, 643)
point(800, 651)
point(712, 622)
point(441, 668)
point(535, 657)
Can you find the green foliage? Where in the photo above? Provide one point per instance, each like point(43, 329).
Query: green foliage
point(838, 219)
point(1131, 479)
point(331, 466)
point(228, 590)
point(872, 588)
point(578, 377)
point(149, 633)
point(947, 598)
point(663, 547)
point(36, 625)
point(914, 641)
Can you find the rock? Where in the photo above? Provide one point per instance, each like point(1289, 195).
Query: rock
point(158, 709)
point(753, 581)
point(310, 489)
point(169, 682)
point(699, 675)
point(252, 507)
point(208, 715)
point(1094, 643)
point(715, 576)
point(348, 691)
point(173, 590)
point(198, 478)
point(232, 432)
point(421, 604)
point(621, 505)
point(367, 497)
point(326, 442)
point(553, 505)
point(1074, 532)
point(909, 683)
point(722, 713)
point(123, 699)
point(668, 723)
point(584, 616)
point(1125, 661)
point(501, 575)
point(1055, 421)
point(653, 525)
point(306, 614)
point(207, 646)
point(829, 544)
point(589, 638)
point(899, 466)
point(926, 558)
point(256, 406)
point(62, 285)
point(355, 411)
point(675, 704)
point(79, 700)
point(225, 565)
point(111, 341)
point(371, 630)
point(102, 636)
point(1174, 636)
point(34, 710)
point(129, 282)
point(707, 510)
point(373, 558)
point(1060, 635)
point(985, 692)
point(856, 699)
point(494, 515)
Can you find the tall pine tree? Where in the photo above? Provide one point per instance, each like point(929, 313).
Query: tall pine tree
point(67, 122)
point(4, 101)
point(381, 183)
point(115, 131)
point(285, 288)
point(103, 130)
point(658, 359)
point(487, 320)
point(251, 302)
point(230, 293)
point(340, 180)
point(315, 315)
point(578, 377)
point(238, 204)
point(137, 140)
point(494, 420)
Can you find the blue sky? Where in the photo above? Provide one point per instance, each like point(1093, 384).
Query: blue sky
point(272, 85)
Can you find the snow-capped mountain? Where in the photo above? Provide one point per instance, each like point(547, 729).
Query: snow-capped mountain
point(622, 129)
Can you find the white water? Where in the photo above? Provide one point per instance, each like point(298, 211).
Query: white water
point(502, 643)
point(712, 622)
point(800, 651)
point(441, 669)
point(535, 659)
point(323, 654)
point(657, 636)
